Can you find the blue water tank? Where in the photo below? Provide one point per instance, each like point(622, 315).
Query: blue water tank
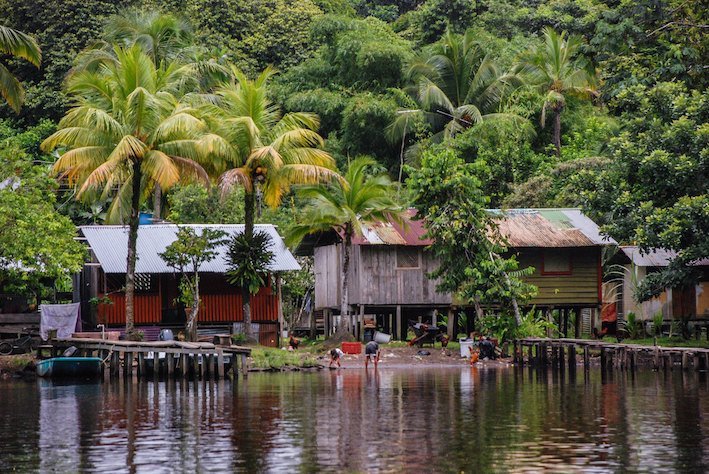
point(145, 218)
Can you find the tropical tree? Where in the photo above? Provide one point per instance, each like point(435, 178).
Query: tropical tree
point(162, 36)
point(345, 206)
point(126, 131)
point(186, 255)
point(456, 85)
point(264, 153)
point(558, 71)
point(18, 44)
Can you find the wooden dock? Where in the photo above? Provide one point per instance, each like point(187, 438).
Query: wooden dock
point(559, 353)
point(200, 360)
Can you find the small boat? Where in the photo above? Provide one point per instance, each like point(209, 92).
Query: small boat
point(70, 367)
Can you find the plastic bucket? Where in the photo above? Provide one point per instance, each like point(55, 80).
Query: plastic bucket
point(381, 338)
point(465, 347)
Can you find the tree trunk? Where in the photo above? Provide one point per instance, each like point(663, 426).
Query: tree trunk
point(557, 129)
point(191, 328)
point(249, 203)
point(157, 202)
point(132, 243)
point(479, 312)
point(508, 282)
point(344, 298)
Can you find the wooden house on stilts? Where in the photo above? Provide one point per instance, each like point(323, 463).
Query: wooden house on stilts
point(389, 266)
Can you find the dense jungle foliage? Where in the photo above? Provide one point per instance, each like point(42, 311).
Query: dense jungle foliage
point(600, 104)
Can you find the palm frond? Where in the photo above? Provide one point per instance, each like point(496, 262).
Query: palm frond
point(19, 44)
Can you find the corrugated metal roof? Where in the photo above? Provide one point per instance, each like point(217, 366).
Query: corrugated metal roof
point(656, 258)
point(549, 228)
point(391, 233)
point(521, 227)
point(110, 244)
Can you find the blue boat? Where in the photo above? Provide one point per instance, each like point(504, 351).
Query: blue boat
point(59, 367)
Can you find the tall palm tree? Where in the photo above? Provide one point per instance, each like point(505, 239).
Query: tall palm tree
point(126, 131)
point(18, 44)
point(558, 71)
point(456, 85)
point(263, 152)
point(345, 206)
point(163, 37)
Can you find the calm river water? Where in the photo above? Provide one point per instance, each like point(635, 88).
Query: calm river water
point(423, 420)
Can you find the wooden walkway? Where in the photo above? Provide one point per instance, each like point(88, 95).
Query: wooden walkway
point(169, 358)
point(562, 352)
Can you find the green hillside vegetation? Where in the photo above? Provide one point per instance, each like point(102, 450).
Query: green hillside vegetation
point(585, 103)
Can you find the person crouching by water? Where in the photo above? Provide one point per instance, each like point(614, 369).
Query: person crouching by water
point(371, 350)
point(335, 356)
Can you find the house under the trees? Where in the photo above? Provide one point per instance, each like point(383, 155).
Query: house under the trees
point(389, 264)
point(688, 303)
point(100, 286)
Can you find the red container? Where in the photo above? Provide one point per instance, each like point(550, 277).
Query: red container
point(352, 347)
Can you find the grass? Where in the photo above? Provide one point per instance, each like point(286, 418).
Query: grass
point(274, 358)
point(14, 363)
point(669, 342)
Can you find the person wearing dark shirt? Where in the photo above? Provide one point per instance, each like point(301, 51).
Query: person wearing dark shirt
point(371, 350)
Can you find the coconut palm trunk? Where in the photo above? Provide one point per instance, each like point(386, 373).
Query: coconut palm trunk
point(344, 296)
point(557, 128)
point(132, 245)
point(157, 202)
point(249, 209)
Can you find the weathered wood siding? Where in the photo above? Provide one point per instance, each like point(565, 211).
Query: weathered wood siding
point(327, 276)
point(581, 286)
point(374, 278)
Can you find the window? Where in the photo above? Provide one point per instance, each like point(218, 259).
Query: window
point(407, 257)
point(556, 262)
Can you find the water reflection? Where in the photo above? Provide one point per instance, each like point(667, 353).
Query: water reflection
point(472, 420)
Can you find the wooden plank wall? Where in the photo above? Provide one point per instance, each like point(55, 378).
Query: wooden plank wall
point(580, 287)
point(327, 276)
point(380, 282)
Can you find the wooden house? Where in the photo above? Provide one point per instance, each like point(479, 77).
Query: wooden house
point(689, 303)
point(100, 286)
point(389, 266)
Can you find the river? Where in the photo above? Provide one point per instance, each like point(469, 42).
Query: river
point(423, 420)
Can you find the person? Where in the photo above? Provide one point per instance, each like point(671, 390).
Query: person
point(335, 356)
point(293, 343)
point(371, 350)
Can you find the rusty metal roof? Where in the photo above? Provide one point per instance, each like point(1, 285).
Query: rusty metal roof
point(549, 228)
point(391, 233)
point(521, 228)
point(110, 245)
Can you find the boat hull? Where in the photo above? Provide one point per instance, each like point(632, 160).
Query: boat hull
point(61, 367)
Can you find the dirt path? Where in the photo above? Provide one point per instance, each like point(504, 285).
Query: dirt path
point(407, 357)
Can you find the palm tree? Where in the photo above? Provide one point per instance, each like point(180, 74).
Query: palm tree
point(125, 132)
point(345, 206)
point(557, 71)
point(456, 85)
point(264, 153)
point(18, 44)
point(163, 37)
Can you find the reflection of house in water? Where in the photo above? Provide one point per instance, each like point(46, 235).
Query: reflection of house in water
point(59, 426)
point(689, 303)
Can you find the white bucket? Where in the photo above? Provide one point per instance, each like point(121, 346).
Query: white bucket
point(381, 338)
point(465, 347)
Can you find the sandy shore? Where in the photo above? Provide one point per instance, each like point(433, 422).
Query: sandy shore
point(408, 357)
